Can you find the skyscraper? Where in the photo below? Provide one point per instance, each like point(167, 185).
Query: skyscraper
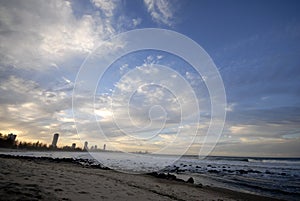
point(86, 145)
point(55, 139)
point(73, 145)
point(12, 137)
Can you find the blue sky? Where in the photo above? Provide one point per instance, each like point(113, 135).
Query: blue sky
point(254, 44)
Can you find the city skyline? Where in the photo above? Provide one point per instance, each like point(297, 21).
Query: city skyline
point(255, 46)
point(10, 141)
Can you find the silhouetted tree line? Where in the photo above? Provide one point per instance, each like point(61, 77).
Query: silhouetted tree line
point(32, 146)
point(7, 142)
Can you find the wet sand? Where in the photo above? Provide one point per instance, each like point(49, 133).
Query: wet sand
point(42, 179)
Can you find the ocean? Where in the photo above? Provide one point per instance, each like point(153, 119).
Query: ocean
point(273, 177)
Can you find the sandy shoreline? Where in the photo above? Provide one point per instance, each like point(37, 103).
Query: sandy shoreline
point(42, 179)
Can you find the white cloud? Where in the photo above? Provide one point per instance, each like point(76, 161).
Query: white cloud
point(240, 129)
point(230, 107)
point(124, 68)
point(152, 109)
point(136, 21)
point(40, 34)
point(161, 11)
point(35, 112)
point(106, 6)
point(270, 131)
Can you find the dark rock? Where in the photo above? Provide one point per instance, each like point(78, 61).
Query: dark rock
point(162, 176)
point(242, 171)
point(99, 166)
point(253, 171)
point(171, 177)
point(58, 189)
point(190, 180)
point(165, 176)
point(268, 172)
point(155, 174)
point(179, 170)
point(213, 171)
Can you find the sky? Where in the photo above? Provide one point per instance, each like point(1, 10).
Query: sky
point(45, 46)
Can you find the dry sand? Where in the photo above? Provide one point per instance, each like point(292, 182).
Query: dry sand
point(37, 179)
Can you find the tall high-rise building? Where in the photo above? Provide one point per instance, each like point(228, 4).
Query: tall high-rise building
point(12, 137)
point(73, 145)
point(86, 145)
point(55, 139)
point(104, 147)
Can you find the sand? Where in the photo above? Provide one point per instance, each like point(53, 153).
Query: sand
point(40, 179)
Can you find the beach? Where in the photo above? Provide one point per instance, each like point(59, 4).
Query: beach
point(29, 178)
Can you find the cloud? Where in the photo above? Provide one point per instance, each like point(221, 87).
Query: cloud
point(34, 111)
point(136, 21)
point(262, 131)
point(42, 46)
point(41, 42)
point(161, 11)
point(37, 35)
point(106, 6)
point(260, 147)
point(157, 105)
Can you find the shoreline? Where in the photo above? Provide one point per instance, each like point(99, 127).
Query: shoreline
point(32, 178)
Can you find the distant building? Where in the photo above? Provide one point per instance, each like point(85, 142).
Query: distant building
point(12, 137)
point(86, 145)
point(104, 147)
point(55, 139)
point(96, 147)
point(73, 146)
